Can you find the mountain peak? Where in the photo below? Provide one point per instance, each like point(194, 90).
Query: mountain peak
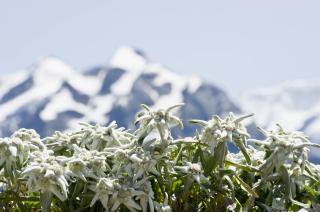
point(50, 68)
point(129, 59)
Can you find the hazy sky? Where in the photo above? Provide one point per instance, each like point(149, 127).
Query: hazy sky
point(239, 45)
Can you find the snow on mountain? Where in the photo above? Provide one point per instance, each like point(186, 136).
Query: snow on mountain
point(58, 72)
point(41, 81)
point(8, 81)
point(127, 59)
point(52, 95)
point(179, 84)
point(61, 102)
point(294, 104)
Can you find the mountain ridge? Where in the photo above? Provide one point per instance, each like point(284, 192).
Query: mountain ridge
point(52, 95)
point(295, 104)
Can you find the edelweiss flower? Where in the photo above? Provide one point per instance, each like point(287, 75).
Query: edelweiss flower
point(98, 137)
point(236, 158)
point(121, 162)
point(125, 195)
point(30, 138)
point(284, 145)
point(112, 194)
point(86, 163)
point(61, 142)
point(103, 189)
point(217, 131)
point(78, 168)
point(162, 120)
point(257, 156)
point(142, 165)
point(192, 169)
point(8, 153)
point(46, 174)
point(229, 128)
point(287, 160)
point(146, 198)
point(14, 151)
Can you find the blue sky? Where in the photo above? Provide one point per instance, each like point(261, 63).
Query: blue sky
point(239, 45)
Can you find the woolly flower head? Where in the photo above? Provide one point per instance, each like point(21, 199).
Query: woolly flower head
point(86, 163)
point(97, 137)
point(217, 131)
point(192, 169)
point(281, 137)
point(103, 189)
point(161, 119)
point(45, 173)
point(61, 143)
point(112, 194)
point(285, 144)
point(223, 129)
point(14, 151)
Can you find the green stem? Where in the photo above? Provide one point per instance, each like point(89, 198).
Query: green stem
point(243, 167)
point(46, 199)
point(221, 165)
point(160, 133)
point(160, 183)
point(178, 156)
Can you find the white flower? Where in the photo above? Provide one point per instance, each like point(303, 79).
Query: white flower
point(112, 194)
point(46, 174)
point(98, 137)
point(125, 195)
point(192, 169)
point(121, 162)
point(284, 146)
point(14, 151)
point(8, 153)
point(103, 189)
point(143, 165)
point(94, 162)
point(146, 198)
point(78, 168)
point(30, 138)
point(61, 142)
point(217, 131)
point(162, 120)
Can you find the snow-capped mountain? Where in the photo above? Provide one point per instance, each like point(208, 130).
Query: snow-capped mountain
point(52, 96)
point(293, 104)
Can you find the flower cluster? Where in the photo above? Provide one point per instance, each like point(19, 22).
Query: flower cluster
point(45, 173)
point(107, 168)
point(217, 132)
point(16, 150)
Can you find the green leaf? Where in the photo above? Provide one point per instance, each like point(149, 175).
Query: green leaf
point(246, 187)
point(243, 167)
point(244, 152)
point(226, 172)
point(208, 162)
point(311, 191)
point(198, 122)
point(196, 155)
point(287, 183)
point(219, 154)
